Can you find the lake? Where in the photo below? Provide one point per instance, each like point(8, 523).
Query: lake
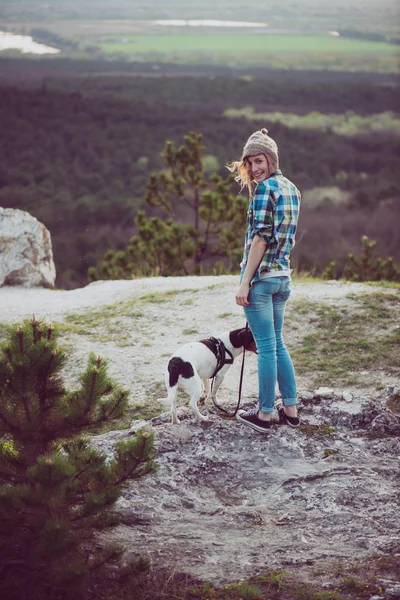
point(208, 23)
point(24, 43)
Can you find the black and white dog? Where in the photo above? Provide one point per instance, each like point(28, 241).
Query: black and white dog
point(192, 366)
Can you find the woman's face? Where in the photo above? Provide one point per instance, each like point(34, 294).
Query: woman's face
point(259, 168)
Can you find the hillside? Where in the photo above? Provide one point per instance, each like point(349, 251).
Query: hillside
point(317, 505)
point(80, 152)
point(137, 324)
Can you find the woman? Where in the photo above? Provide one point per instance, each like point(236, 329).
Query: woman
point(265, 275)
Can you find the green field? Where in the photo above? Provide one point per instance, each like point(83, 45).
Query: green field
point(246, 44)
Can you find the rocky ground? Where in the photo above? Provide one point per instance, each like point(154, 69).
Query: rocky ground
point(227, 502)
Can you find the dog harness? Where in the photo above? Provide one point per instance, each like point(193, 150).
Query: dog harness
point(220, 351)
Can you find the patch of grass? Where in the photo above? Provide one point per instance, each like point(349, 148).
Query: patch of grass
point(301, 306)
point(189, 331)
point(353, 585)
point(212, 286)
point(346, 341)
point(86, 323)
point(225, 315)
point(272, 578)
point(247, 44)
point(384, 284)
point(383, 564)
point(348, 124)
point(378, 306)
point(306, 277)
point(249, 592)
point(315, 430)
point(330, 452)
point(145, 412)
point(124, 341)
point(78, 329)
point(394, 337)
point(158, 297)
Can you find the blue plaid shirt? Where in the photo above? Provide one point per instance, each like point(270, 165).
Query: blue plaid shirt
point(272, 214)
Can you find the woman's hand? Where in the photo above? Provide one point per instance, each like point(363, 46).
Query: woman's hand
point(243, 294)
point(256, 253)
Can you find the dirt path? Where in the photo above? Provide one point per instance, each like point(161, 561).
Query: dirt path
point(138, 324)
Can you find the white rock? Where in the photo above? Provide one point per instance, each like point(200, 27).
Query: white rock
point(140, 424)
point(26, 255)
point(324, 392)
point(347, 396)
point(122, 503)
point(306, 395)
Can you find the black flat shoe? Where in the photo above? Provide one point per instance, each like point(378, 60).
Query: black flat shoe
point(284, 419)
point(251, 419)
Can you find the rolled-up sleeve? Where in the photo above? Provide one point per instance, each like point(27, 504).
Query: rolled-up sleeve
point(263, 213)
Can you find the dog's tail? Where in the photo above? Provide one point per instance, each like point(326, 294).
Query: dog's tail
point(176, 368)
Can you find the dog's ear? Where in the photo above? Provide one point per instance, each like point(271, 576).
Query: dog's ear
point(249, 341)
point(236, 337)
point(243, 337)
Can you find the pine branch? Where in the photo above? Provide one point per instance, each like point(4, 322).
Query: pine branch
point(140, 450)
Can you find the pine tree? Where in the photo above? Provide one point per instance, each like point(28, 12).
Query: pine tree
point(367, 267)
point(55, 489)
point(204, 224)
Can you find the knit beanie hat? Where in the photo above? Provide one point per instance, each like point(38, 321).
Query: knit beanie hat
point(260, 143)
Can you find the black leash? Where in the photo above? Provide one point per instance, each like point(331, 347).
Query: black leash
point(226, 412)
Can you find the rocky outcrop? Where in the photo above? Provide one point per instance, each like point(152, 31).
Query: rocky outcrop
point(226, 501)
point(26, 255)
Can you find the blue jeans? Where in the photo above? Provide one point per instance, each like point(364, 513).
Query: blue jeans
point(265, 317)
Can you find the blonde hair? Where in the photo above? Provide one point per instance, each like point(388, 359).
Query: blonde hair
point(243, 174)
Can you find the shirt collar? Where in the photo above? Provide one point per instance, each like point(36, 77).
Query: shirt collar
point(277, 172)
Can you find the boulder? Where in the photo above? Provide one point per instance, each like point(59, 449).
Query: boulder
point(26, 255)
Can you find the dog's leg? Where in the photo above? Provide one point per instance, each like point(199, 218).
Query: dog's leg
point(171, 400)
point(194, 388)
point(217, 382)
point(207, 391)
point(174, 415)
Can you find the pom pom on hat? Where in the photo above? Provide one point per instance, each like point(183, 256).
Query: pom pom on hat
point(260, 143)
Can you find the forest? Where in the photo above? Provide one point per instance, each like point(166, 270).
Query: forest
point(78, 153)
